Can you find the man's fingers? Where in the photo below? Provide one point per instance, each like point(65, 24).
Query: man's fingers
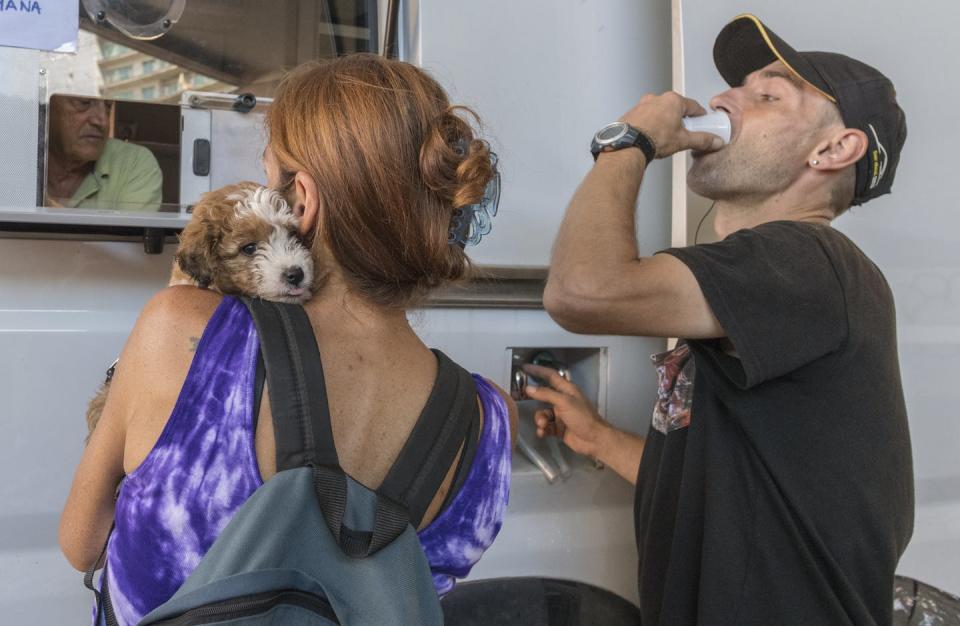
point(544, 417)
point(553, 378)
point(547, 424)
point(692, 107)
point(703, 142)
point(553, 430)
point(546, 394)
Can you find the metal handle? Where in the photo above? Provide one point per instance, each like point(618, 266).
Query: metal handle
point(549, 471)
point(518, 382)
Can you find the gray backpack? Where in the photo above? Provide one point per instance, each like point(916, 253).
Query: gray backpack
point(313, 546)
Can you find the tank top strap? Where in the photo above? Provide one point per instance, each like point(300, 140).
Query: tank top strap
point(227, 349)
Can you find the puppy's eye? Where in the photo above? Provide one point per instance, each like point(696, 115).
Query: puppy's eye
point(250, 249)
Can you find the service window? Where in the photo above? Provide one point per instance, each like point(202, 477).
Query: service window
point(162, 101)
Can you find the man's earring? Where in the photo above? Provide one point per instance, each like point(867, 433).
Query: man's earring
point(814, 162)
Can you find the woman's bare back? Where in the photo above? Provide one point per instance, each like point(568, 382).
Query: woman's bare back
point(378, 378)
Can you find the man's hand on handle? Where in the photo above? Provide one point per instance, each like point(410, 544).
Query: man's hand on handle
point(571, 418)
point(576, 422)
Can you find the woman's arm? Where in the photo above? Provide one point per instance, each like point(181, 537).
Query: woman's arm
point(151, 368)
point(88, 513)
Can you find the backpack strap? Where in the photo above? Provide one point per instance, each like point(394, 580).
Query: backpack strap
point(304, 435)
point(298, 402)
point(298, 394)
point(437, 437)
point(104, 607)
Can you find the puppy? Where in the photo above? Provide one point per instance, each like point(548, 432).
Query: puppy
point(242, 240)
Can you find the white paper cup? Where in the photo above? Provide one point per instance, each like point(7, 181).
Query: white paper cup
point(716, 122)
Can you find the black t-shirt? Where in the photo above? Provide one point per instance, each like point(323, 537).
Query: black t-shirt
point(789, 497)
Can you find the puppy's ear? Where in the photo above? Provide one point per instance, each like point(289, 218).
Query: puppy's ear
point(199, 241)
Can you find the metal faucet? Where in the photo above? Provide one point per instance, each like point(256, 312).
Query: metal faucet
point(517, 386)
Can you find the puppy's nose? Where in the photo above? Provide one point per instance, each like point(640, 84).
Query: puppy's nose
point(294, 276)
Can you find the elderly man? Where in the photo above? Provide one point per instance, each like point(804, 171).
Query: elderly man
point(87, 169)
point(775, 485)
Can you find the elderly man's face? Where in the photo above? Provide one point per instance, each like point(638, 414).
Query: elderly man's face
point(776, 121)
point(79, 127)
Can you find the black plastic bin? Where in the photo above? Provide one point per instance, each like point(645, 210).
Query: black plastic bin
point(533, 601)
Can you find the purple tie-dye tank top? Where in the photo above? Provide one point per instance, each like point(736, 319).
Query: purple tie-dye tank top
point(203, 467)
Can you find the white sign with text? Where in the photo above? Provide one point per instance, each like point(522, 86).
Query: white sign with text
point(40, 24)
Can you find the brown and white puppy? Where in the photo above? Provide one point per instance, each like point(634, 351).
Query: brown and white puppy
point(242, 240)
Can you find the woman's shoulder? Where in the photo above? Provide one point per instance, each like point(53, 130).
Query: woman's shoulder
point(180, 304)
point(167, 330)
point(174, 312)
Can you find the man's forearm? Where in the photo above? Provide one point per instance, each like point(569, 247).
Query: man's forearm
point(598, 232)
point(598, 239)
point(621, 451)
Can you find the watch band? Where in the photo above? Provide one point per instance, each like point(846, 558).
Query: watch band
point(631, 137)
point(646, 145)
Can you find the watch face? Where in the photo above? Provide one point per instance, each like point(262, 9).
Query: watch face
point(611, 132)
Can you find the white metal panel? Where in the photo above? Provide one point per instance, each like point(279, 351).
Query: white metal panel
point(93, 217)
point(544, 75)
point(19, 117)
point(237, 141)
point(66, 308)
point(195, 125)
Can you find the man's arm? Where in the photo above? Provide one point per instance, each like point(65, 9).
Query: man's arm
point(621, 451)
point(576, 422)
point(598, 282)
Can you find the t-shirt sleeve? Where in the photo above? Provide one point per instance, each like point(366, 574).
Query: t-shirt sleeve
point(776, 294)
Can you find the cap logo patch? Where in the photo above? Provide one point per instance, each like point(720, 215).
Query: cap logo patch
point(879, 159)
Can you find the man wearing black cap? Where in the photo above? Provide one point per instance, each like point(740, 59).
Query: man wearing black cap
point(776, 484)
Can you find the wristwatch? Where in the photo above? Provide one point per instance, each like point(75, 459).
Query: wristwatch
point(620, 135)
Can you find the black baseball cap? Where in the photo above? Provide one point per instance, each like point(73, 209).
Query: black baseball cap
point(866, 98)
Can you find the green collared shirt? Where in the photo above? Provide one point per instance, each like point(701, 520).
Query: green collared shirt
point(126, 177)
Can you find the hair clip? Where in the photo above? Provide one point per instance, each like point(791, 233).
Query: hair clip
point(471, 222)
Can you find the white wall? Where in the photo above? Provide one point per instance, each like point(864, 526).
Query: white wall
point(65, 310)
point(913, 234)
point(544, 75)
